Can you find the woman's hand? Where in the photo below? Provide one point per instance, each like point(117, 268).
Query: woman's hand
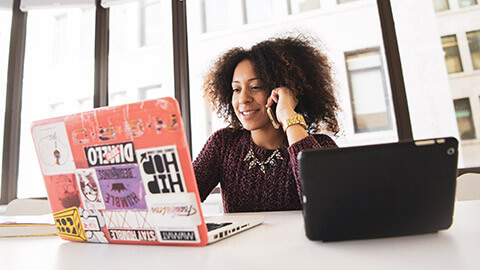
point(286, 103)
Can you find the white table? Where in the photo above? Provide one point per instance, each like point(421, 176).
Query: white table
point(279, 243)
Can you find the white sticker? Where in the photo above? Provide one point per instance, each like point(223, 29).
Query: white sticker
point(89, 189)
point(161, 170)
point(174, 210)
point(92, 221)
point(53, 149)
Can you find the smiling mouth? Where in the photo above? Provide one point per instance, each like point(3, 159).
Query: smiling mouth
point(250, 112)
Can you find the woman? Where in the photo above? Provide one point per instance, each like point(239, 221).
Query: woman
point(255, 163)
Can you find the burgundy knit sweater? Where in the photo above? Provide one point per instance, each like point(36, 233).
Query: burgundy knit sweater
point(248, 190)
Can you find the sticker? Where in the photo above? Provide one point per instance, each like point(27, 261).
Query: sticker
point(69, 225)
point(54, 153)
point(178, 235)
point(111, 154)
point(106, 133)
point(176, 210)
point(62, 191)
point(89, 189)
point(122, 187)
point(93, 222)
point(161, 171)
point(132, 225)
point(80, 136)
point(134, 128)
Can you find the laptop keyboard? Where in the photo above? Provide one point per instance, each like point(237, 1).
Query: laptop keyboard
point(214, 226)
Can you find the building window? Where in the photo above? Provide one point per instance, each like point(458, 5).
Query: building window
point(440, 5)
point(258, 10)
point(463, 112)
point(467, 3)
point(215, 15)
point(452, 54)
point(150, 23)
point(368, 91)
point(297, 6)
point(474, 44)
point(150, 92)
point(60, 39)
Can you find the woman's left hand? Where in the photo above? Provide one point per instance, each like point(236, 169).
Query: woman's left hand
point(286, 103)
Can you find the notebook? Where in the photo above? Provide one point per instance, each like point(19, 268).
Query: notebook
point(124, 175)
point(379, 190)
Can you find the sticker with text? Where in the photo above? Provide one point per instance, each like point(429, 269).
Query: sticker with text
point(161, 171)
point(178, 210)
point(122, 187)
point(111, 154)
point(69, 225)
point(178, 235)
point(89, 189)
point(131, 225)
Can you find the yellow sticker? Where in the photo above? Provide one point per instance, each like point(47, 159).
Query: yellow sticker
point(69, 225)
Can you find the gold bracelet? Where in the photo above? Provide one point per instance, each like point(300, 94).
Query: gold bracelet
point(295, 120)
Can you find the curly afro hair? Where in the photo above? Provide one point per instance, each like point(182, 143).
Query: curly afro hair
point(293, 62)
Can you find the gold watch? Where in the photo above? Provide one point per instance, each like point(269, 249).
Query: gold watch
point(295, 120)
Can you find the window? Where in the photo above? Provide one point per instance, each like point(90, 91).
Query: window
point(5, 25)
point(440, 5)
point(368, 90)
point(56, 74)
point(150, 23)
point(297, 6)
point(258, 10)
point(150, 92)
point(466, 3)
point(474, 44)
point(132, 65)
point(463, 113)
point(215, 15)
point(452, 54)
point(327, 24)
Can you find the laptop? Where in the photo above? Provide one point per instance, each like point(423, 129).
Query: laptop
point(124, 175)
point(377, 191)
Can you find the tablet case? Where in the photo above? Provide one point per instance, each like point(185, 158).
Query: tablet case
point(379, 190)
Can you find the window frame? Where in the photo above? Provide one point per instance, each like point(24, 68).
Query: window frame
point(181, 77)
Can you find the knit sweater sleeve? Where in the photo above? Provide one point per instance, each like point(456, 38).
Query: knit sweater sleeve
point(208, 164)
point(316, 141)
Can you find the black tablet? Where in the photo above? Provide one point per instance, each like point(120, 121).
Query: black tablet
point(379, 190)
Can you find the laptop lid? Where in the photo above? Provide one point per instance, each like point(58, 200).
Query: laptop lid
point(121, 175)
point(379, 190)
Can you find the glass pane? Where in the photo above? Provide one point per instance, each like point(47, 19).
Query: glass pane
point(5, 26)
point(215, 15)
point(337, 38)
point(258, 10)
point(474, 44)
point(440, 5)
point(426, 41)
point(141, 52)
point(369, 94)
point(452, 54)
point(463, 112)
point(467, 3)
point(298, 6)
point(58, 79)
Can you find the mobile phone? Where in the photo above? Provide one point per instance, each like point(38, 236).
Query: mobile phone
point(273, 118)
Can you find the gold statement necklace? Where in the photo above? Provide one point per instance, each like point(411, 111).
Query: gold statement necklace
point(253, 161)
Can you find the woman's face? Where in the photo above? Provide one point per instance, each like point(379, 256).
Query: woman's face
point(249, 97)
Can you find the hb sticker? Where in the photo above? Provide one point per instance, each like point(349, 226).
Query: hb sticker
point(69, 225)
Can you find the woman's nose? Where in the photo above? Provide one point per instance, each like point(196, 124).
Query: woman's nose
point(245, 96)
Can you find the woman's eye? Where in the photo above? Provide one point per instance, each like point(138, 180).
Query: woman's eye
point(235, 90)
point(257, 88)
